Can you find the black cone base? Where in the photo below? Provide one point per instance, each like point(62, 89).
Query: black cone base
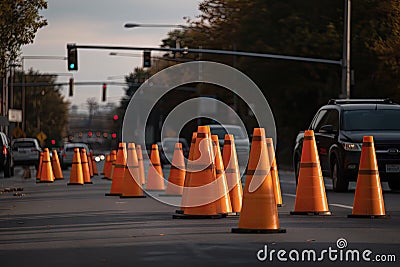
point(132, 196)
point(312, 213)
point(369, 216)
point(187, 216)
point(258, 231)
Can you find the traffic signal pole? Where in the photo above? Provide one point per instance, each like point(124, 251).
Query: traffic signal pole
point(206, 51)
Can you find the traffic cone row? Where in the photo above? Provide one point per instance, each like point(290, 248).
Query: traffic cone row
point(201, 195)
point(311, 197)
point(50, 169)
point(125, 173)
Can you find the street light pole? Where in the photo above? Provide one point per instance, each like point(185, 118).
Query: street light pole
point(346, 51)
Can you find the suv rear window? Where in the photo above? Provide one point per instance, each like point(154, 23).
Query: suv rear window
point(24, 144)
point(375, 120)
point(71, 147)
point(237, 133)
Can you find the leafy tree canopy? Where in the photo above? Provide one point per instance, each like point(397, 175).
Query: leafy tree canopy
point(19, 22)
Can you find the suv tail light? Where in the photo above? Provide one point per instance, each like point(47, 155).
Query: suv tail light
point(5, 151)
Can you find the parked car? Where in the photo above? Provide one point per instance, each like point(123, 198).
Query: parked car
point(241, 140)
point(167, 147)
point(26, 151)
point(339, 128)
point(6, 156)
point(67, 154)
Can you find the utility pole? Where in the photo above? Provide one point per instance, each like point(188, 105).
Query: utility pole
point(346, 51)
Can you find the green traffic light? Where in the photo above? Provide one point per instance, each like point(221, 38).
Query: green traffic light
point(72, 66)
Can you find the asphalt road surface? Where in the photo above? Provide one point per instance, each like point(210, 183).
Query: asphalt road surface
point(59, 225)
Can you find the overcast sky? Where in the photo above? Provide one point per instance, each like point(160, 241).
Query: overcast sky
point(100, 22)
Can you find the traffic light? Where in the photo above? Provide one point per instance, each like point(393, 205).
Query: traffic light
point(104, 95)
point(72, 58)
point(115, 118)
point(146, 59)
point(90, 134)
point(71, 86)
point(113, 135)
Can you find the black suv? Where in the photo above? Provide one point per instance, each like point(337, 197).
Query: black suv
point(339, 128)
point(6, 156)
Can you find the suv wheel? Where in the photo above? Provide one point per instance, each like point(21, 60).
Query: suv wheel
point(340, 183)
point(394, 184)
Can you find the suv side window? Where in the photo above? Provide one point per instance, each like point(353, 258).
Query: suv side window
point(317, 119)
point(3, 140)
point(331, 117)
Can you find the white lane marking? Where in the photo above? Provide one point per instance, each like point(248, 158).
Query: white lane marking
point(336, 205)
point(289, 195)
point(342, 206)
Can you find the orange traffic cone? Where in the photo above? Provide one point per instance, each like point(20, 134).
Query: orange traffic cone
point(187, 175)
point(177, 172)
point(155, 176)
point(232, 173)
point(113, 161)
point(76, 175)
point(200, 198)
point(225, 205)
point(55, 164)
point(39, 169)
point(94, 164)
point(89, 159)
point(131, 187)
point(274, 172)
point(139, 153)
point(259, 212)
point(119, 171)
point(46, 173)
point(368, 198)
point(107, 166)
point(85, 167)
point(310, 193)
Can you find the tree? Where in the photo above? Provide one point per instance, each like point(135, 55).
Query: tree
point(312, 28)
point(93, 106)
point(19, 22)
point(46, 109)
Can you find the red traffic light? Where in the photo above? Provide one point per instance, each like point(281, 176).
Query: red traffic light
point(53, 142)
point(90, 134)
point(114, 135)
point(115, 117)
